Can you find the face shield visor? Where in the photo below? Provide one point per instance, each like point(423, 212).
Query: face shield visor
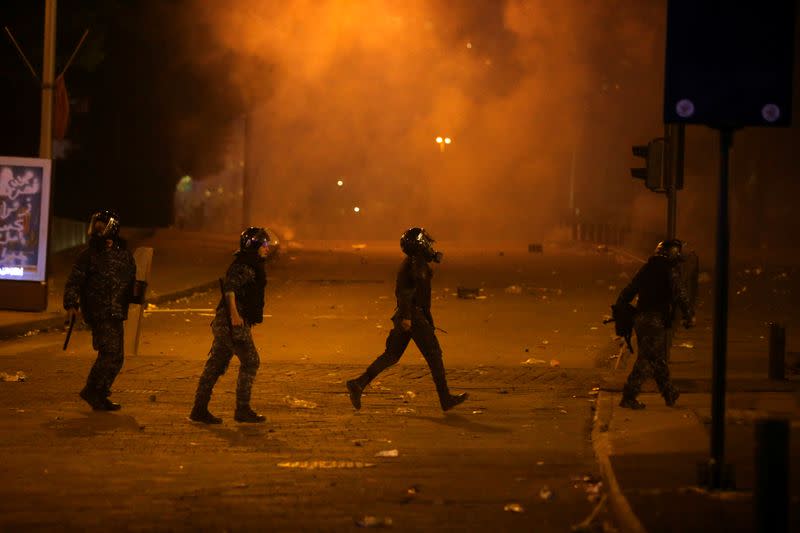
point(425, 244)
point(102, 225)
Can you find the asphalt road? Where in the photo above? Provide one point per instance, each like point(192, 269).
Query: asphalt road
point(529, 352)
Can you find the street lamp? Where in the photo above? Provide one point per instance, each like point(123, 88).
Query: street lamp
point(442, 141)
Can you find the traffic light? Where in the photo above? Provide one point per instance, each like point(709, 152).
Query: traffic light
point(653, 173)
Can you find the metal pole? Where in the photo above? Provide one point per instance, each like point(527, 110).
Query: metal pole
point(48, 79)
point(777, 351)
point(720, 337)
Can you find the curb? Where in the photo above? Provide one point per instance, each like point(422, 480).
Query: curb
point(626, 518)
point(20, 329)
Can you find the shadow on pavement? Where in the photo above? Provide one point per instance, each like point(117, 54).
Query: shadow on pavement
point(93, 423)
point(251, 436)
point(458, 421)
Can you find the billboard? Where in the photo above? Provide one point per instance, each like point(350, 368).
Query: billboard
point(24, 216)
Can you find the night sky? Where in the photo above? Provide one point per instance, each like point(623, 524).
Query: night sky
point(529, 91)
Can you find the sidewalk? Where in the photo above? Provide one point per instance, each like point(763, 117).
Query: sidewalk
point(648, 458)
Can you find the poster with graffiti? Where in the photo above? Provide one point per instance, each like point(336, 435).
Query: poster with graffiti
point(24, 216)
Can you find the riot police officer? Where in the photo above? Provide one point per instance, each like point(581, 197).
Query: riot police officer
point(658, 284)
point(240, 308)
point(101, 285)
point(412, 320)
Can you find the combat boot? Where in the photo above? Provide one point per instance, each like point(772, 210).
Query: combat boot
point(92, 398)
point(451, 400)
point(631, 403)
point(670, 397)
point(108, 405)
point(245, 414)
point(203, 415)
point(355, 389)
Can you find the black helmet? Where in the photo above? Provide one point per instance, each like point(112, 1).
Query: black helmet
point(252, 239)
point(670, 248)
point(417, 241)
point(110, 221)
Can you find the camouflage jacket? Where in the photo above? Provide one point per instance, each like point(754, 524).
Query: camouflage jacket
point(101, 283)
point(246, 278)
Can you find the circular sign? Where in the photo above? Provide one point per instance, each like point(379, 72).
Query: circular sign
point(771, 112)
point(684, 108)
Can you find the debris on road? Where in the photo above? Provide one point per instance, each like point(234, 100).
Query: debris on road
point(405, 411)
point(31, 333)
point(468, 293)
point(686, 344)
point(534, 361)
point(513, 289)
point(19, 376)
point(388, 453)
point(546, 493)
point(324, 465)
point(296, 403)
point(554, 363)
point(409, 395)
point(514, 507)
point(373, 521)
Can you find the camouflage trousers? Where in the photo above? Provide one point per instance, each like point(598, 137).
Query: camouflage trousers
point(424, 336)
point(227, 343)
point(651, 341)
point(108, 340)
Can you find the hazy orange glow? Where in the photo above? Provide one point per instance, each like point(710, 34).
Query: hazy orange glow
point(356, 88)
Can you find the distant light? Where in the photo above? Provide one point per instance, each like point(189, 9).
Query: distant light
point(447, 140)
point(340, 183)
point(469, 45)
point(357, 209)
point(184, 184)
point(439, 140)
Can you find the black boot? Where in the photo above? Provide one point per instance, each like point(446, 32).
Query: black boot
point(451, 400)
point(356, 388)
point(245, 414)
point(203, 415)
point(202, 397)
point(631, 403)
point(671, 396)
point(446, 400)
point(108, 405)
point(93, 398)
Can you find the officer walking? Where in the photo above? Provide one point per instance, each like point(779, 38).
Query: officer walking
point(658, 284)
point(240, 308)
point(101, 285)
point(412, 320)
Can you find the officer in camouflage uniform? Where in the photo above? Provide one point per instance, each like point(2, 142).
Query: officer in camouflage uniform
point(101, 285)
point(239, 309)
point(412, 320)
point(658, 284)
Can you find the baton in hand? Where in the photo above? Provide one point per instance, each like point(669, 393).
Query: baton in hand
point(69, 331)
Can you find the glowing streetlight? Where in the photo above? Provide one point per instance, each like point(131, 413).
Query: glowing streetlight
point(340, 183)
point(357, 209)
point(441, 141)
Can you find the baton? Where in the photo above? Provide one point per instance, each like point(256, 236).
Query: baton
point(69, 331)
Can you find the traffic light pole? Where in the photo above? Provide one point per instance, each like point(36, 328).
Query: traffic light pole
point(674, 135)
